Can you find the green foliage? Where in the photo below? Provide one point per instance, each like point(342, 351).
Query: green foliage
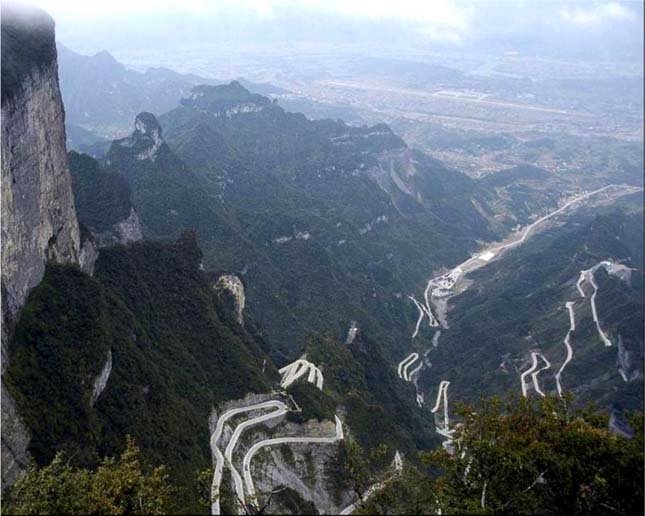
point(315, 404)
point(61, 341)
point(118, 486)
point(101, 198)
point(255, 177)
point(525, 457)
point(518, 303)
point(360, 468)
point(359, 378)
point(517, 457)
point(175, 357)
point(409, 492)
point(204, 480)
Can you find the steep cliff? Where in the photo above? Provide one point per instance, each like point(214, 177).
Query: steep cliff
point(103, 203)
point(38, 219)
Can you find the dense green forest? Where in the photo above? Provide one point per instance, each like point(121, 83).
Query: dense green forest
point(523, 457)
point(176, 353)
point(512, 457)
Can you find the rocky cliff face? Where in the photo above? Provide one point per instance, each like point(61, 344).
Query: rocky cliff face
point(103, 203)
point(232, 285)
point(307, 469)
point(38, 219)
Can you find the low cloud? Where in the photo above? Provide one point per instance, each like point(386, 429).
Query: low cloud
point(437, 19)
point(597, 14)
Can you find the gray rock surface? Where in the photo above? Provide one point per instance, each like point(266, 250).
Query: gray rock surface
point(38, 218)
point(88, 255)
point(309, 469)
point(235, 288)
point(15, 440)
point(101, 380)
point(123, 232)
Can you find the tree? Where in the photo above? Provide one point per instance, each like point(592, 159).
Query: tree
point(359, 471)
point(538, 456)
point(519, 457)
point(118, 486)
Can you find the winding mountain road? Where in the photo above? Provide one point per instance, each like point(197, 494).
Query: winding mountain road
point(405, 364)
point(485, 256)
point(527, 372)
point(424, 311)
point(291, 372)
point(534, 372)
point(567, 343)
point(594, 311)
point(246, 463)
point(442, 395)
point(280, 408)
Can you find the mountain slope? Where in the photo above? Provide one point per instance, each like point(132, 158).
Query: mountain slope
point(103, 203)
point(517, 306)
point(171, 350)
point(103, 96)
point(343, 218)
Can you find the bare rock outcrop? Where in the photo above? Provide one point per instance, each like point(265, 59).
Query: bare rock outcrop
point(38, 218)
point(233, 286)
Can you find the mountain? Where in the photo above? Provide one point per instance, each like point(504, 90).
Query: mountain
point(102, 96)
point(517, 306)
point(356, 217)
point(38, 221)
point(86, 141)
point(231, 280)
point(103, 203)
point(114, 335)
point(151, 320)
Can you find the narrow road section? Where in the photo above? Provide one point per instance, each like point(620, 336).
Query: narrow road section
point(246, 463)
point(279, 409)
point(405, 364)
point(290, 373)
point(534, 372)
point(567, 344)
point(404, 373)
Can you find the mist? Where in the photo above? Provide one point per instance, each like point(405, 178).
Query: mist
point(564, 30)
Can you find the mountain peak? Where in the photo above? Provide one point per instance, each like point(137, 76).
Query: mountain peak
point(144, 142)
point(224, 98)
point(146, 124)
point(105, 57)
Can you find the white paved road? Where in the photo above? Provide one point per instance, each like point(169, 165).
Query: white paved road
point(486, 255)
point(279, 407)
point(534, 372)
point(534, 375)
point(567, 343)
point(246, 464)
point(594, 312)
point(290, 373)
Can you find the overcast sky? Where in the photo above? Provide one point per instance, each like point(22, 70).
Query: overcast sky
point(447, 22)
